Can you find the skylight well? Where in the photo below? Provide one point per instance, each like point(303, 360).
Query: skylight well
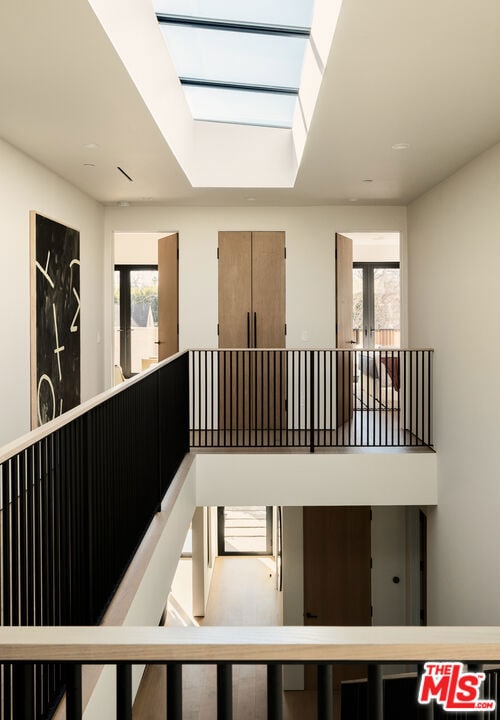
point(238, 62)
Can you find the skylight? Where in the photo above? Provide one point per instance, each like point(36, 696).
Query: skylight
point(238, 62)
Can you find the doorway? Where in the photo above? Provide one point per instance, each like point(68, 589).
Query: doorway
point(146, 326)
point(245, 530)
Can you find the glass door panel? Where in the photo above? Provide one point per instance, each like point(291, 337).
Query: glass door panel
point(143, 319)
point(386, 307)
point(136, 318)
point(357, 307)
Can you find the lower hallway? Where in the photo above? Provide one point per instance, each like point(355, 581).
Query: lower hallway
point(243, 592)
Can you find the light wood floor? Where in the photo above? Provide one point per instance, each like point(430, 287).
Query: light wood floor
point(243, 593)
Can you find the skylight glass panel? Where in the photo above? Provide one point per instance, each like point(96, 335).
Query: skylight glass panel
point(240, 106)
point(238, 61)
point(295, 13)
point(225, 56)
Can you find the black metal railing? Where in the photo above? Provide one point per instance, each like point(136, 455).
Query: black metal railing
point(75, 504)
point(310, 398)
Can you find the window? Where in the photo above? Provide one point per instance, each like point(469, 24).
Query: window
point(238, 62)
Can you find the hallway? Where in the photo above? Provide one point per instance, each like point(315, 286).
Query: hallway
point(242, 593)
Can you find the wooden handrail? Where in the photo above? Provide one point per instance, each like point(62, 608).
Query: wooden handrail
point(89, 645)
point(34, 436)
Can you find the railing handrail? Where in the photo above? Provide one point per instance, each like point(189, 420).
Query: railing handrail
point(306, 349)
point(25, 441)
point(262, 644)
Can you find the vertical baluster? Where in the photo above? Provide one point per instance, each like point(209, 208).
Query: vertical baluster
point(355, 397)
point(422, 382)
point(74, 692)
point(174, 691)
point(325, 692)
point(274, 692)
point(293, 425)
point(268, 398)
point(224, 691)
point(375, 692)
point(212, 382)
point(362, 388)
point(411, 398)
point(429, 397)
point(311, 399)
point(23, 692)
point(205, 368)
point(123, 691)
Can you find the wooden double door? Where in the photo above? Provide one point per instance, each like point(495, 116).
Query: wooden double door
point(252, 385)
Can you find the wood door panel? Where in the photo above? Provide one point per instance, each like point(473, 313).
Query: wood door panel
point(235, 289)
point(344, 332)
point(235, 305)
point(337, 574)
point(268, 289)
point(168, 296)
point(268, 305)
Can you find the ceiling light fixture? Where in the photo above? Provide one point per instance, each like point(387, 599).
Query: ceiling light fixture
point(353, 199)
point(250, 199)
point(91, 146)
point(401, 146)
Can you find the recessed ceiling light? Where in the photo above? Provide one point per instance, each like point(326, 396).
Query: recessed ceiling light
point(401, 146)
point(91, 146)
point(367, 180)
point(251, 199)
point(353, 199)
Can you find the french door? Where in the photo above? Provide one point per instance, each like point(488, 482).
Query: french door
point(376, 304)
point(136, 317)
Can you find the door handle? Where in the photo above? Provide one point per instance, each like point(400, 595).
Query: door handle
point(248, 329)
point(255, 330)
point(310, 615)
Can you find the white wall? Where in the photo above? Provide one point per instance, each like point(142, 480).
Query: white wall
point(454, 257)
point(310, 283)
point(136, 248)
point(204, 554)
point(25, 185)
point(380, 478)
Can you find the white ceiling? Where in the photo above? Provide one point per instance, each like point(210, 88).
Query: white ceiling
point(424, 73)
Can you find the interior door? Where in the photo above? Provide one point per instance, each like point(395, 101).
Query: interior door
point(252, 389)
point(337, 575)
point(168, 296)
point(343, 326)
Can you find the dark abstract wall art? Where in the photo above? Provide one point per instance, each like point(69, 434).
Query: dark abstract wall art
point(55, 319)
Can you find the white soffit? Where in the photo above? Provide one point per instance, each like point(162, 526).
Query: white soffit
point(216, 155)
